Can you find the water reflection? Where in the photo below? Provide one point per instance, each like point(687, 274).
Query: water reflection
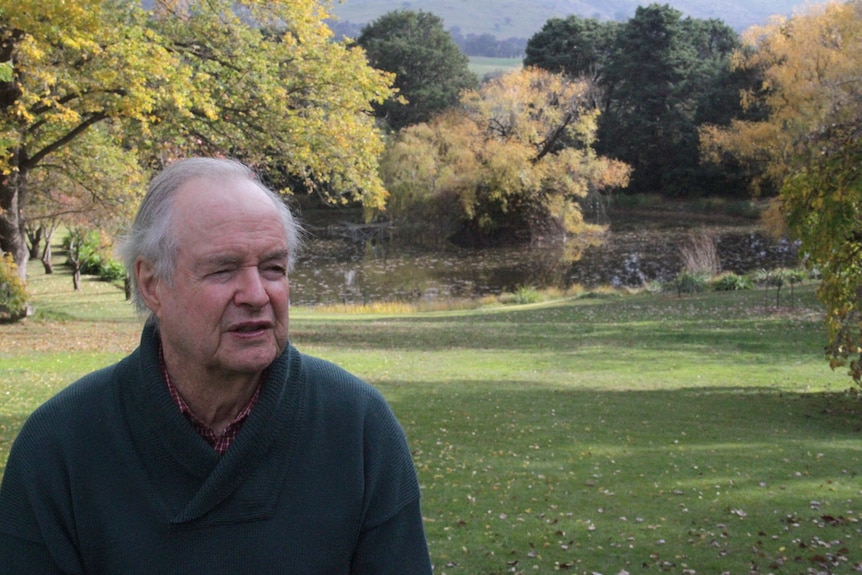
point(339, 270)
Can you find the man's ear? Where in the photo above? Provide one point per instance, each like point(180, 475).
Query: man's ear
point(148, 283)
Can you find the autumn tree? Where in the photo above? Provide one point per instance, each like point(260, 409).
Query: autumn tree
point(92, 183)
point(809, 147)
point(498, 167)
point(430, 69)
point(258, 79)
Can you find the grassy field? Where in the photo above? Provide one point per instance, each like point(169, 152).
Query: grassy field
point(523, 18)
point(502, 18)
point(638, 434)
point(483, 67)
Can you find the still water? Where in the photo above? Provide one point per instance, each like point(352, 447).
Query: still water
point(339, 270)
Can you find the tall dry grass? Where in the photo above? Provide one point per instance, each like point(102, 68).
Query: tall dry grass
point(700, 255)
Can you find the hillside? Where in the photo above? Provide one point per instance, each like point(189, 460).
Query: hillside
point(523, 18)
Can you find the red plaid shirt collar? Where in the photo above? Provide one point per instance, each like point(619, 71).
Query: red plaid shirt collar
point(219, 441)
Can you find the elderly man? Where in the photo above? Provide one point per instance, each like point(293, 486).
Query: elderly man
point(215, 447)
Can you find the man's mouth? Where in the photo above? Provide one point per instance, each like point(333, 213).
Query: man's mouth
point(251, 327)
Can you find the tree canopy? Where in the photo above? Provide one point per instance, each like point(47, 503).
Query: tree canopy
point(808, 145)
point(498, 164)
point(258, 79)
point(659, 75)
point(430, 69)
point(578, 47)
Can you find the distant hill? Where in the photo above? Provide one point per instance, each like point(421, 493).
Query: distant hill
point(523, 18)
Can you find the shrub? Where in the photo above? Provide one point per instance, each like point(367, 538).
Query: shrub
point(687, 282)
point(778, 278)
point(86, 247)
point(527, 294)
point(762, 277)
point(111, 270)
point(796, 276)
point(634, 201)
point(731, 282)
point(708, 205)
point(13, 292)
point(601, 293)
point(745, 208)
point(90, 248)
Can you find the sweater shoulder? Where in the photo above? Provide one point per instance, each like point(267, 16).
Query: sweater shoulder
point(327, 376)
point(92, 387)
point(346, 397)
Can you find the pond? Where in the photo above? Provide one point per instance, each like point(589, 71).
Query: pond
point(337, 269)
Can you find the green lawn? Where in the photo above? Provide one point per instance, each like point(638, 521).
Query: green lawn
point(642, 434)
point(494, 66)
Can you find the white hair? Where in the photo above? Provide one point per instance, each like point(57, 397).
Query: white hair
point(152, 236)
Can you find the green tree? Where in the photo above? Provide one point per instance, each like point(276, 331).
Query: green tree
point(808, 145)
point(430, 70)
point(575, 46)
point(714, 86)
point(258, 79)
point(647, 122)
point(498, 163)
point(659, 75)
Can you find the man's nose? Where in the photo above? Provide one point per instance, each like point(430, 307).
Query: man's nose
point(250, 288)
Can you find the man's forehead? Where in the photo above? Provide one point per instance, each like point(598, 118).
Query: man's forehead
point(222, 201)
point(203, 192)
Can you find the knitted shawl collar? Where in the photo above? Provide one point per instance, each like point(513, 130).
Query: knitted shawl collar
point(196, 485)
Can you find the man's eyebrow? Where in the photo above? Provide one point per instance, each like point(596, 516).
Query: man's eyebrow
point(229, 260)
point(276, 255)
point(216, 260)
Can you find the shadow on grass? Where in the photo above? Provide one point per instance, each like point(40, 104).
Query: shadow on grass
point(566, 329)
point(701, 415)
point(531, 476)
point(690, 480)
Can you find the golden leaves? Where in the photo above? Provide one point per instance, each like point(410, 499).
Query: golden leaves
point(272, 80)
point(808, 146)
point(521, 144)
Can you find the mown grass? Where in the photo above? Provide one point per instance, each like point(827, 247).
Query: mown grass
point(483, 66)
point(639, 434)
point(502, 18)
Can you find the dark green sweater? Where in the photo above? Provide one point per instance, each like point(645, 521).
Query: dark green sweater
point(110, 477)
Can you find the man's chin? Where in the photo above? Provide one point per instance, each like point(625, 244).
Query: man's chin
point(251, 362)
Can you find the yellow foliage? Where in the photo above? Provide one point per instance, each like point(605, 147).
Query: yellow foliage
point(810, 65)
point(773, 219)
point(521, 144)
point(126, 87)
point(13, 292)
point(809, 147)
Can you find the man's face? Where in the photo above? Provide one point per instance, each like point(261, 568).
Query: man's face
point(226, 312)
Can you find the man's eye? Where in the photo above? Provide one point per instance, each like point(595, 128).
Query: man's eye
point(220, 273)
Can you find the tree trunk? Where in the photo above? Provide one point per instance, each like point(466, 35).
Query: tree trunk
point(13, 235)
point(46, 254)
point(75, 260)
point(35, 239)
point(46, 251)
